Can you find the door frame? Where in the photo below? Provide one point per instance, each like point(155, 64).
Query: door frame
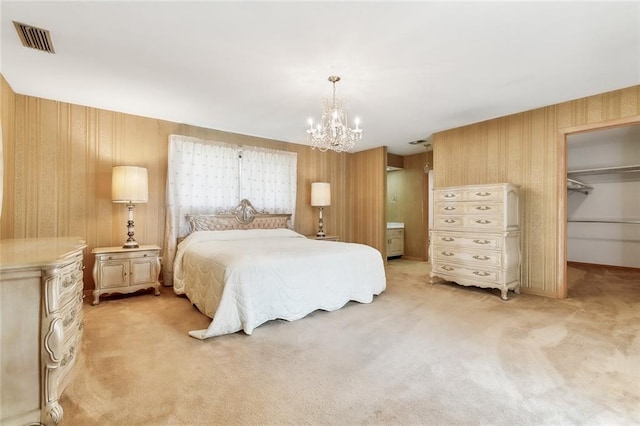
point(561, 288)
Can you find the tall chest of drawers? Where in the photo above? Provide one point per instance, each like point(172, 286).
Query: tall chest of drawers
point(41, 285)
point(475, 239)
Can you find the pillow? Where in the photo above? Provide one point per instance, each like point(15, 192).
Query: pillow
point(212, 222)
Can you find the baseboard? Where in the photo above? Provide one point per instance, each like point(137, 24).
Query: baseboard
point(600, 266)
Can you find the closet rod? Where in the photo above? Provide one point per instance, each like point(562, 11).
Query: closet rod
point(605, 170)
point(632, 222)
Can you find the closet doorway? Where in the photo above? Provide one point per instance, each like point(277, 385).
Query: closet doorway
point(599, 202)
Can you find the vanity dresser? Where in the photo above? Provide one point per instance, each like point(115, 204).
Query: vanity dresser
point(475, 239)
point(41, 285)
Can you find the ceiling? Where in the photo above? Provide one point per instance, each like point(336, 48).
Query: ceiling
point(408, 69)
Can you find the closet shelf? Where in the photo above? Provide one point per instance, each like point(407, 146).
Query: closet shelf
point(620, 221)
point(574, 185)
point(605, 170)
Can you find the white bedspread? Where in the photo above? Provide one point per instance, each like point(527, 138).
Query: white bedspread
point(243, 278)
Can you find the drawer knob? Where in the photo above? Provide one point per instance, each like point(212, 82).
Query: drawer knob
point(483, 222)
point(481, 257)
point(447, 268)
point(450, 221)
point(481, 274)
point(449, 208)
point(481, 241)
point(483, 194)
point(446, 253)
point(449, 195)
point(483, 208)
point(447, 239)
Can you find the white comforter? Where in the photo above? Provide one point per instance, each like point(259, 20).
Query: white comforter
point(243, 278)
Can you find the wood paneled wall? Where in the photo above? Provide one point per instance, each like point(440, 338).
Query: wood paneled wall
point(7, 121)
point(415, 222)
point(368, 176)
point(526, 149)
point(58, 179)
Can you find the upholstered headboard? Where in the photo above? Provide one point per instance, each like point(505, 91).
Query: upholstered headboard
point(243, 216)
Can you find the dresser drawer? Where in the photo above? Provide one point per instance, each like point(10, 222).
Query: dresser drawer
point(70, 280)
point(452, 270)
point(451, 239)
point(488, 222)
point(491, 193)
point(69, 358)
point(487, 193)
point(480, 258)
point(71, 315)
point(477, 209)
point(449, 194)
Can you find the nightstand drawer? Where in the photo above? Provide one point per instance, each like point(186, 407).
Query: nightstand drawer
point(137, 254)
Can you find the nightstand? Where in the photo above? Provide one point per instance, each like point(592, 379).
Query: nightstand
point(325, 238)
point(120, 270)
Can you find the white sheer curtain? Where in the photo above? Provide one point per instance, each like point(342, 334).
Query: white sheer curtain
point(268, 179)
point(208, 177)
point(202, 177)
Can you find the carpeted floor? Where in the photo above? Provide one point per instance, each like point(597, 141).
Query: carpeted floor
point(419, 354)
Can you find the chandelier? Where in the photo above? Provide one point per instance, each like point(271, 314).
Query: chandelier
point(333, 132)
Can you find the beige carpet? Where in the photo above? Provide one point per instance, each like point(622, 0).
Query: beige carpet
point(419, 354)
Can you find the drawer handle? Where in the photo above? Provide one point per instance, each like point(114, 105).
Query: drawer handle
point(483, 208)
point(449, 208)
point(481, 274)
point(449, 195)
point(68, 320)
point(447, 268)
point(69, 357)
point(447, 239)
point(481, 241)
point(481, 257)
point(68, 282)
point(483, 222)
point(146, 255)
point(450, 221)
point(81, 325)
point(446, 253)
point(109, 258)
point(483, 194)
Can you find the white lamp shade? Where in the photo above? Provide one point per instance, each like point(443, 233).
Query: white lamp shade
point(320, 194)
point(129, 184)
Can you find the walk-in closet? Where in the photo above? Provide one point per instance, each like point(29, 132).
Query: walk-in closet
point(603, 200)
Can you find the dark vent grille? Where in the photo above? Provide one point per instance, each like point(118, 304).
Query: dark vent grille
point(35, 38)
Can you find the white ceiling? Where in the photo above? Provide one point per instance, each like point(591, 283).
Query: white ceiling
point(408, 69)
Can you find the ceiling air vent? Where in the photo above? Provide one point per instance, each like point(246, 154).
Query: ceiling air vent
point(35, 38)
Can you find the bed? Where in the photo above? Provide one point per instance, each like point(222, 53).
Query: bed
point(244, 269)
